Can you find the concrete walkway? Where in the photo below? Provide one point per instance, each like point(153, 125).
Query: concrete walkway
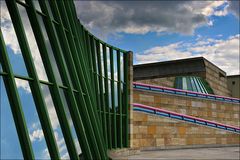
point(225, 153)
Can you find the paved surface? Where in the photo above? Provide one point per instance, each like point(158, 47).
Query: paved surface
point(196, 153)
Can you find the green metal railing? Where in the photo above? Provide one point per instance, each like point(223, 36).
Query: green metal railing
point(94, 75)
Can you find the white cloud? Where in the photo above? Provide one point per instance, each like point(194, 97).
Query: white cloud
point(36, 135)
point(23, 84)
point(209, 9)
point(162, 53)
point(223, 53)
point(210, 23)
point(50, 108)
point(61, 145)
point(7, 29)
point(141, 17)
point(65, 156)
point(12, 42)
point(79, 150)
point(45, 154)
point(234, 7)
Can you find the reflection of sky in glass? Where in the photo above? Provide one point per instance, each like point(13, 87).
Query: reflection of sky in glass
point(32, 44)
point(10, 38)
point(115, 65)
point(108, 63)
point(55, 26)
point(116, 94)
point(32, 119)
point(9, 136)
point(49, 10)
point(95, 56)
point(50, 51)
point(37, 6)
point(102, 66)
point(54, 121)
point(109, 94)
point(121, 66)
point(74, 135)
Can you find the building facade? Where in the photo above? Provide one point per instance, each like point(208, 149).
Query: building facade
point(234, 85)
point(165, 73)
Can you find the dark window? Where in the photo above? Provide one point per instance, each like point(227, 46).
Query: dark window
point(233, 82)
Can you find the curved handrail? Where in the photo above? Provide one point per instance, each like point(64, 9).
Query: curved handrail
point(236, 129)
point(150, 87)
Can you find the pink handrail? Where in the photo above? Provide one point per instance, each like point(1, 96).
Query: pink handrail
point(183, 115)
point(179, 90)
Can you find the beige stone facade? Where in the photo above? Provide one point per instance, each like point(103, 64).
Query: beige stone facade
point(158, 132)
point(217, 79)
point(165, 81)
point(164, 73)
point(149, 131)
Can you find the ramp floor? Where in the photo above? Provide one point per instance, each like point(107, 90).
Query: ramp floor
point(225, 153)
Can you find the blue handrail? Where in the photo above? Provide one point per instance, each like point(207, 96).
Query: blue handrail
point(167, 90)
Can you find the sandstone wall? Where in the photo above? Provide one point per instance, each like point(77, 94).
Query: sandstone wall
point(151, 131)
point(154, 131)
point(166, 81)
point(217, 80)
point(215, 77)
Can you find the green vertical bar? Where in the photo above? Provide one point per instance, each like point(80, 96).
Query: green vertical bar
point(77, 121)
point(55, 92)
point(113, 99)
point(82, 47)
point(90, 63)
point(35, 84)
point(89, 90)
point(85, 105)
point(119, 98)
point(82, 50)
point(96, 77)
point(126, 91)
point(109, 135)
point(85, 45)
point(15, 103)
point(101, 90)
point(89, 68)
point(83, 79)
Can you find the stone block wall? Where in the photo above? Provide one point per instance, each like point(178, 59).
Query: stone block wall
point(151, 131)
point(217, 79)
point(165, 81)
point(154, 131)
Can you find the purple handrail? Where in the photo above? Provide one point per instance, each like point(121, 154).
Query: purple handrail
point(179, 90)
point(183, 115)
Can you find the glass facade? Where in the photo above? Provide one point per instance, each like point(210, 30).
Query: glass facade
point(192, 83)
point(66, 91)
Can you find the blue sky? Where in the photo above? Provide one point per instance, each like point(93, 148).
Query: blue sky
point(154, 31)
point(161, 30)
